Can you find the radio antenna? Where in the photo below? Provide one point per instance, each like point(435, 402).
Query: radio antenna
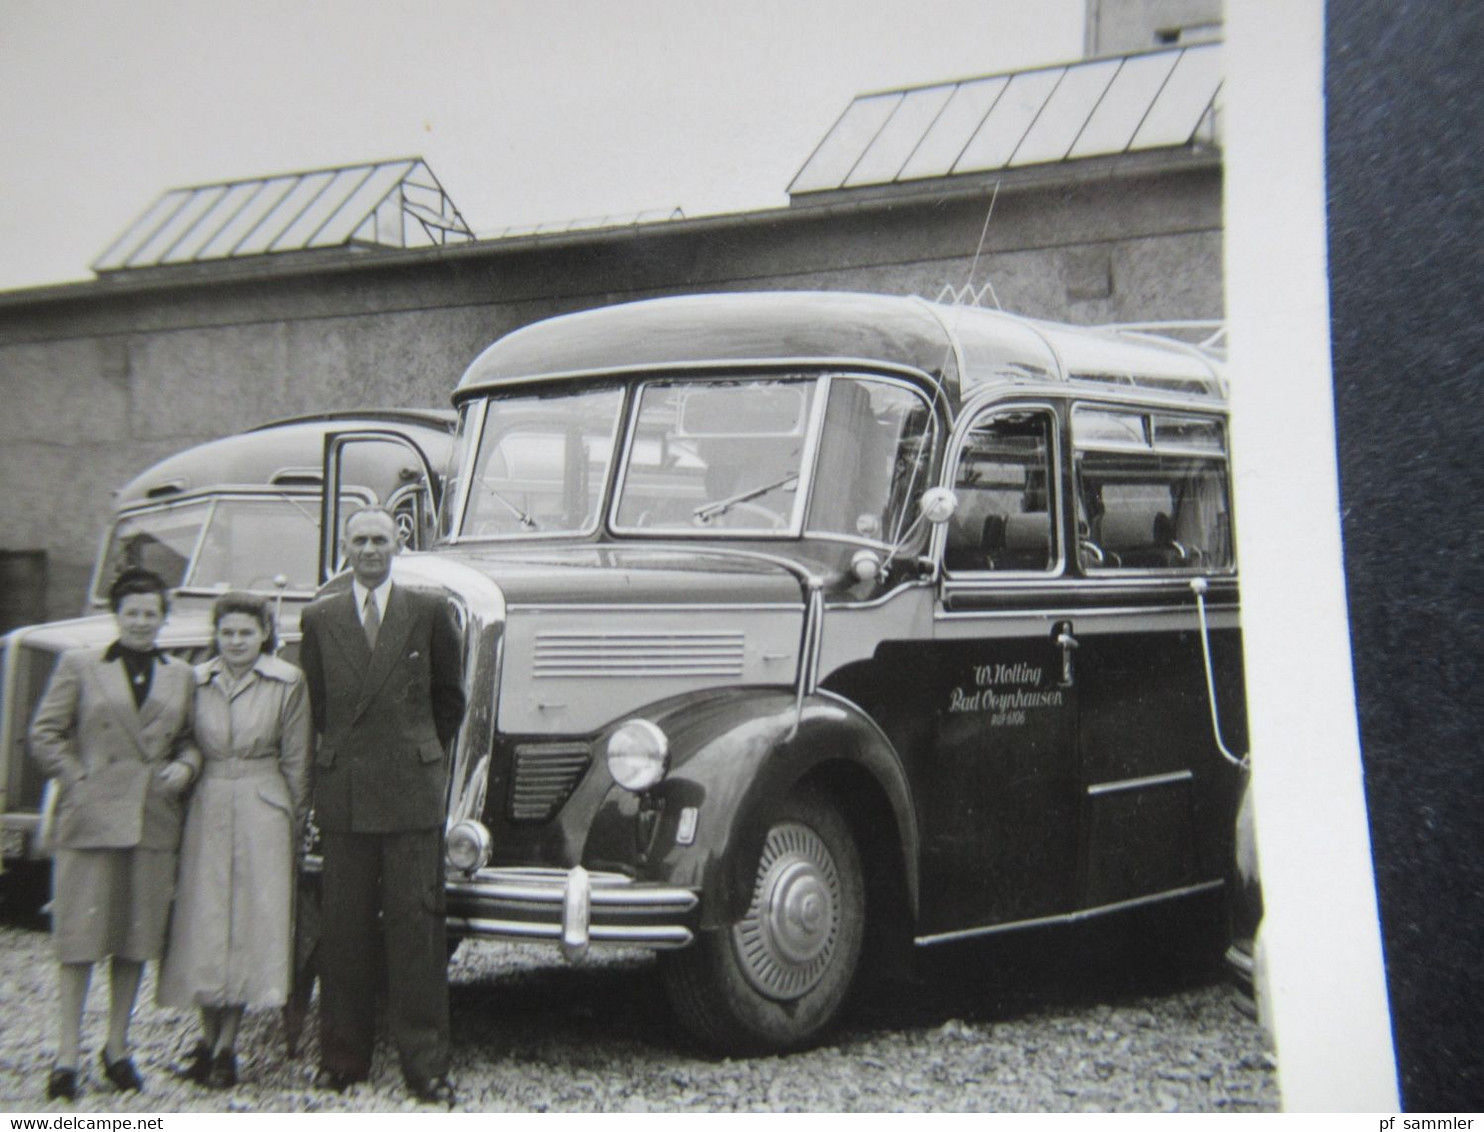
point(983, 234)
point(906, 529)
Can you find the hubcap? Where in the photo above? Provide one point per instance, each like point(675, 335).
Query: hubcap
point(787, 939)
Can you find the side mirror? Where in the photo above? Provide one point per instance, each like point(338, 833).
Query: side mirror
point(865, 565)
point(938, 504)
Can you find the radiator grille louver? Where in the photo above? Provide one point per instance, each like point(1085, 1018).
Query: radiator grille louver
point(545, 776)
point(591, 655)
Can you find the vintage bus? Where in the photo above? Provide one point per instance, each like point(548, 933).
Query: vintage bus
point(795, 623)
point(242, 512)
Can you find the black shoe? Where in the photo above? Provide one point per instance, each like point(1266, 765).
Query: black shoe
point(223, 1073)
point(62, 1085)
point(122, 1073)
point(198, 1068)
point(336, 1082)
point(434, 1090)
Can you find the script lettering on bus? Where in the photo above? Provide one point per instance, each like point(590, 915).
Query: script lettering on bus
point(1005, 692)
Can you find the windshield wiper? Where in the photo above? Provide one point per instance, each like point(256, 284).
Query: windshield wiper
point(311, 517)
point(525, 520)
point(708, 511)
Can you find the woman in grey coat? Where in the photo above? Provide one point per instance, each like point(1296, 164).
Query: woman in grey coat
point(231, 935)
point(113, 730)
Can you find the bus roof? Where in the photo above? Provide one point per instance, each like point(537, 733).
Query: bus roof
point(285, 453)
point(959, 346)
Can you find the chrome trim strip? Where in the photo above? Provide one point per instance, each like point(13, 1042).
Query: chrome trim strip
point(708, 367)
point(1239, 961)
point(549, 887)
point(1200, 586)
point(659, 936)
point(1087, 613)
point(629, 671)
point(690, 550)
point(888, 596)
point(1003, 625)
point(577, 909)
point(615, 652)
point(1139, 783)
point(1112, 575)
point(809, 652)
point(470, 457)
point(1068, 917)
point(652, 607)
point(1136, 396)
point(987, 581)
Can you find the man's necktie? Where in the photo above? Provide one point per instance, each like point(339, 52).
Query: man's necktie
point(371, 621)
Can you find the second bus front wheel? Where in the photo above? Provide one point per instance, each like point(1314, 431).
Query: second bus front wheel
point(776, 978)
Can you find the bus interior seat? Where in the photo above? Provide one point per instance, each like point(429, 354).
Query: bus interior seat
point(1027, 541)
point(1139, 539)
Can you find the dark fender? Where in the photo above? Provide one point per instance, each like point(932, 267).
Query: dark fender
point(734, 753)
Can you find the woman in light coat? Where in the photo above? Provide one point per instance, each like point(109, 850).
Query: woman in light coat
point(113, 730)
point(231, 935)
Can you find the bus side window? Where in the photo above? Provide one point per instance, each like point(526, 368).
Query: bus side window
point(875, 459)
point(1151, 490)
point(1003, 481)
point(1145, 511)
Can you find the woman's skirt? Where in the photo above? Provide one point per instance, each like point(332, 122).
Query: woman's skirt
point(111, 902)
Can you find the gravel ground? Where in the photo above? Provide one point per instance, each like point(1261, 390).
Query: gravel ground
point(1088, 1020)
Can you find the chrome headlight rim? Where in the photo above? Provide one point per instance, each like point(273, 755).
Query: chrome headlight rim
point(467, 846)
point(637, 755)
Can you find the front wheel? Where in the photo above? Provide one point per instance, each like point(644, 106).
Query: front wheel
point(776, 978)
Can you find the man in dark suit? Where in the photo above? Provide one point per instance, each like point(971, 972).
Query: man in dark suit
point(384, 666)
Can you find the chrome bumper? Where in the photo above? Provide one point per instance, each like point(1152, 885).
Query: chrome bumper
point(1241, 964)
point(573, 908)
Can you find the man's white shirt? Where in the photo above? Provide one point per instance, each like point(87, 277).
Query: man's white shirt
point(380, 593)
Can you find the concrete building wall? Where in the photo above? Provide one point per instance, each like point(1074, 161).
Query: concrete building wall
point(1120, 27)
point(102, 379)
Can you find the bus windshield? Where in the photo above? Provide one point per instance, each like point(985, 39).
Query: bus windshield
point(227, 542)
point(717, 456)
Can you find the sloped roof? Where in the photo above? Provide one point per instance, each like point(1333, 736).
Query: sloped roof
point(389, 204)
point(1095, 108)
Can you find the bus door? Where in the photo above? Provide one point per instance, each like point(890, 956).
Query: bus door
point(1150, 495)
point(399, 475)
point(998, 794)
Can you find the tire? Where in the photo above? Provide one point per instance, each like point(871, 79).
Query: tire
point(775, 979)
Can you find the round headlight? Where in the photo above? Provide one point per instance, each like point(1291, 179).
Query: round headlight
point(467, 846)
point(638, 755)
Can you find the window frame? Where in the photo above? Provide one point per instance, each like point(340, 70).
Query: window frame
point(930, 448)
point(1154, 451)
point(356, 494)
point(816, 403)
point(478, 435)
point(1055, 486)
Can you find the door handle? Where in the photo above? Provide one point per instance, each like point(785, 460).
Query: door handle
point(1061, 636)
